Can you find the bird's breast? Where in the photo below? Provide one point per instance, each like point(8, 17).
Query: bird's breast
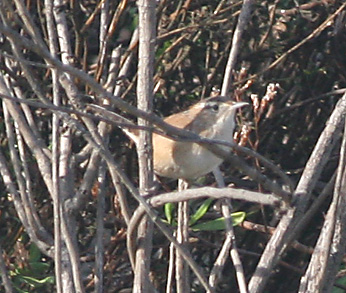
point(183, 160)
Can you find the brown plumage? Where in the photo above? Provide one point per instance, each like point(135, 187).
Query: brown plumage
point(211, 118)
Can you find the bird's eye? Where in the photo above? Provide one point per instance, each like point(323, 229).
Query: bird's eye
point(214, 107)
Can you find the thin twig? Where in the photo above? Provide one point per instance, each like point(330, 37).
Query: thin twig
point(47, 249)
point(283, 234)
point(312, 35)
point(326, 259)
point(57, 203)
point(99, 246)
point(243, 20)
point(194, 194)
point(181, 270)
point(4, 273)
point(229, 245)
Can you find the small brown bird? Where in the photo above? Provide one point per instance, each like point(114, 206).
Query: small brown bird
point(212, 118)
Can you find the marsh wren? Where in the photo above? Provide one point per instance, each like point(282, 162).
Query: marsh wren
point(212, 118)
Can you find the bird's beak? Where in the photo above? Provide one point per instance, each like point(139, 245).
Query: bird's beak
point(239, 105)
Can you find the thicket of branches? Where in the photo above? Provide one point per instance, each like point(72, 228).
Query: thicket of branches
point(70, 183)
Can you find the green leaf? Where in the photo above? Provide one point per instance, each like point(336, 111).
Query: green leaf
point(219, 224)
point(238, 218)
point(163, 48)
point(34, 253)
point(39, 267)
point(37, 282)
point(34, 269)
point(201, 211)
point(169, 209)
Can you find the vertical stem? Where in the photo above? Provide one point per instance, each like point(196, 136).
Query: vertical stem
point(243, 19)
point(99, 247)
point(53, 47)
point(56, 195)
point(146, 50)
point(229, 245)
point(182, 270)
point(170, 270)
